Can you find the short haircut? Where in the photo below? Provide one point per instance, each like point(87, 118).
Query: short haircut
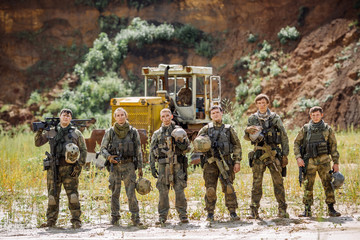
point(262, 96)
point(165, 110)
point(216, 107)
point(120, 109)
point(316, 109)
point(67, 111)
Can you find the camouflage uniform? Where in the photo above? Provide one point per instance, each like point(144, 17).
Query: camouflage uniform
point(274, 134)
point(60, 137)
point(158, 147)
point(228, 143)
point(128, 149)
point(321, 137)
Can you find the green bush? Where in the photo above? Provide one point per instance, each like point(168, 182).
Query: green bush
point(252, 38)
point(241, 91)
point(98, 4)
point(288, 33)
point(274, 68)
point(112, 24)
point(205, 48)
point(305, 103)
point(276, 103)
point(188, 35)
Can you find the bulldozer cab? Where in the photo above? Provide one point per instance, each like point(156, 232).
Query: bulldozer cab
point(189, 90)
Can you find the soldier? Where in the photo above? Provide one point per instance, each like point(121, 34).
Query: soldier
point(168, 145)
point(121, 148)
point(68, 154)
point(219, 164)
point(312, 147)
point(266, 132)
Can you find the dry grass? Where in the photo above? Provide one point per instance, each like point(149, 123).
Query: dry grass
point(23, 196)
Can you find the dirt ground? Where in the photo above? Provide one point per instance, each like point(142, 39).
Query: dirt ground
point(344, 227)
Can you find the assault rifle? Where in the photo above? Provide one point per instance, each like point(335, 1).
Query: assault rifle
point(171, 159)
point(302, 170)
point(223, 168)
point(51, 162)
point(54, 121)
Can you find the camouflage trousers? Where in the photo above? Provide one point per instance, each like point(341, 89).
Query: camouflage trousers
point(258, 170)
point(211, 175)
point(322, 166)
point(123, 172)
point(71, 188)
point(179, 185)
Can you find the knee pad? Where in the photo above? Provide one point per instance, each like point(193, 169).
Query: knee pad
point(211, 193)
point(74, 198)
point(51, 200)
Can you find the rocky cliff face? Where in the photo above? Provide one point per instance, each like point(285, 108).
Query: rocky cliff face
point(42, 40)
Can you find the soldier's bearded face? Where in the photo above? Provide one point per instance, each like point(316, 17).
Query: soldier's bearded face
point(120, 117)
point(262, 105)
point(165, 118)
point(65, 119)
point(216, 115)
point(316, 116)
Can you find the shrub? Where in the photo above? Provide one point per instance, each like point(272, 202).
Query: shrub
point(241, 91)
point(276, 103)
point(252, 38)
point(288, 33)
point(205, 48)
point(188, 35)
point(305, 103)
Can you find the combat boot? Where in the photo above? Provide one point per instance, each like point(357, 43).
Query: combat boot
point(161, 221)
point(234, 216)
point(76, 224)
point(254, 214)
point(184, 219)
point(282, 213)
point(210, 217)
point(307, 212)
point(332, 212)
point(115, 220)
point(49, 223)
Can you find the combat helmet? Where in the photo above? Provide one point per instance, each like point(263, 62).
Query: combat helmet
point(179, 134)
point(143, 186)
point(202, 143)
point(337, 179)
point(72, 153)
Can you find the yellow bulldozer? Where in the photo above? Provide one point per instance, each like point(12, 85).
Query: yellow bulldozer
point(189, 92)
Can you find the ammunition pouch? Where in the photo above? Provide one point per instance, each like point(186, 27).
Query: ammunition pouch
point(46, 163)
point(272, 137)
point(316, 149)
point(251, 158)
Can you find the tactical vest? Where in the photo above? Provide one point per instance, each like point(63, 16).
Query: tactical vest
point(123, 147)
point(222, 138)
point(70, 137)
point(162, 145)
point(272, 134)
point(315, 142)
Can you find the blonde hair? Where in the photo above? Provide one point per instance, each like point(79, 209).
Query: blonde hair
point(165, 110)
point(120, 109)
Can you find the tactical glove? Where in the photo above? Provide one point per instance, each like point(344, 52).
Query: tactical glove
point(252, 129)
point(154, 172)
point(284, 161)
point(111, 159)
point(76, 170)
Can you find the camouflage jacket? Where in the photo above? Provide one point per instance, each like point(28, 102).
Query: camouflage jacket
point(158, 143)
point(108, 139)
point(234, 139)
point(276, 122)
point(329, 136)
point(42, 137)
